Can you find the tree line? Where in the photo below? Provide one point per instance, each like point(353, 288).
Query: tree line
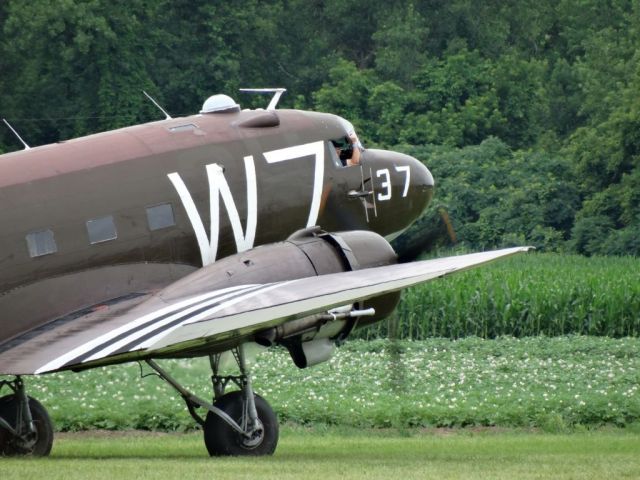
point(528, 113)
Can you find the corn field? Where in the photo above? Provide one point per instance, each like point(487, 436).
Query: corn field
point(526, 295)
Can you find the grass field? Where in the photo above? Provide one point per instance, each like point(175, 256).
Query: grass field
point(556, 384)
point(336, 453)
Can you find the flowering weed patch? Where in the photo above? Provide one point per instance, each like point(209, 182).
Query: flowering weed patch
point(551, 383)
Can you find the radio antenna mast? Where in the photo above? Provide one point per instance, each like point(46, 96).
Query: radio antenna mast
point(26, 147)
point(157, 105)
point(277, 93)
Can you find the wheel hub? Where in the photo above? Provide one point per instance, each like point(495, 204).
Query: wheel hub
point(254, 438)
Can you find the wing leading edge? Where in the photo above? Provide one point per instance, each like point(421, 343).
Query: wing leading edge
point(156, 327)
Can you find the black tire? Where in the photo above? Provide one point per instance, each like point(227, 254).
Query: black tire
point(11, 446)
point(222, 440)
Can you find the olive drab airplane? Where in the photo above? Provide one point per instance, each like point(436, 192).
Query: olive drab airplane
point(196, 236)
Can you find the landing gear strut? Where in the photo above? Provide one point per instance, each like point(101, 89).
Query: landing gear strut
point(25, 427)
point(238, 422)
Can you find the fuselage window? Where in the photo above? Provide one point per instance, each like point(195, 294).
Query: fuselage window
point(41, 243)
point(183, 128)
point(102, 229)
point(160, 216)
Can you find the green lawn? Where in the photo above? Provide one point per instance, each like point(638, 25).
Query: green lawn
point(339, 453)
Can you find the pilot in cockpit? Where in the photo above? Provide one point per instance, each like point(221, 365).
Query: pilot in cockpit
point(349, 148)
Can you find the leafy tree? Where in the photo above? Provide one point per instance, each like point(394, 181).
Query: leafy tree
point(454, 102)
point(81, 64)
point(521, 92)
point(347, 94)
point(528, 112)
point(400, 44)
point(386, 104)
point(588, 234)
point(497, 197)
point(623, 242)
point(564, 98)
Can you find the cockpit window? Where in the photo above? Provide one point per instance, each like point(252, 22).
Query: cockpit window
point(343, 149)
point(348, 148)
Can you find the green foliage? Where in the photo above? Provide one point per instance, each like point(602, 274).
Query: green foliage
point(532, 294)
point(623, 242)
point(587, 234)
point(494, 195)
point(90, 52)
point(454, 102)
point(348, 94)
point(556, 82)
point(399, 44)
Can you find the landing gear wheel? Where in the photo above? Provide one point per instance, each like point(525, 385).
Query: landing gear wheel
point(37, 444)
point(221, 439)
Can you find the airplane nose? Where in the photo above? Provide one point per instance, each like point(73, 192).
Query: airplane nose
point(422, 182)
point(403, 187)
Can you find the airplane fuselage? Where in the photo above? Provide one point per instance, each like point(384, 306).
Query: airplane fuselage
point(88, 220)
point(193, 237)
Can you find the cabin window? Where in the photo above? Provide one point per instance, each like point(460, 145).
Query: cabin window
point(41, 243)
point(160, 216)
point(101, 229)
point(189, 127)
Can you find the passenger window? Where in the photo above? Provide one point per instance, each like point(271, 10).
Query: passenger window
point(41, 243)
point(101, 229)
point(160, 216)
point(189, 127)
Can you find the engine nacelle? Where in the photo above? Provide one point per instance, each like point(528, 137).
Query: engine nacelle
point(306, 253)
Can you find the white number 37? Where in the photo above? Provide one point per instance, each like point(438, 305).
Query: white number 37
point(386, 183)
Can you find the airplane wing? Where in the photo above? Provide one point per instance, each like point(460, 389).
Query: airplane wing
point(167, 322)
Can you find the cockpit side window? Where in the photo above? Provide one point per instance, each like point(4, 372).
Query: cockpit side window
point(343, 151)
point(348, 148)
